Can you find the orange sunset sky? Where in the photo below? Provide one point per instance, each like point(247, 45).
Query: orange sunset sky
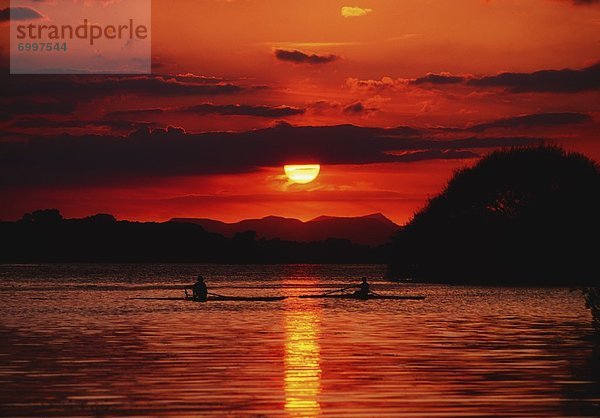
point(389, 96)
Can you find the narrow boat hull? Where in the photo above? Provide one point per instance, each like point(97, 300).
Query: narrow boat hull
point(354, 297)
point(225, 299)
point(241, 299)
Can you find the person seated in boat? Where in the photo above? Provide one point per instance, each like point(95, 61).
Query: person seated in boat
point(199, 290)
point(363, 289)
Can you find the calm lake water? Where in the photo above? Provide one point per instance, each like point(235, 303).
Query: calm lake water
point(75, 341)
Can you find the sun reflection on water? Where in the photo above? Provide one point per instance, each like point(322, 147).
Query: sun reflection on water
point(302, 363)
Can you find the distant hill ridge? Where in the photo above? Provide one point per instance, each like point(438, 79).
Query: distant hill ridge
point(374, 229)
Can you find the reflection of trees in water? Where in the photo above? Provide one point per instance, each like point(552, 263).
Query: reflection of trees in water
point(583, 389)
point(592, 302)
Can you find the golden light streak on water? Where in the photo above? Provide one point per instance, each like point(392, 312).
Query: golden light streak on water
point(302, 363)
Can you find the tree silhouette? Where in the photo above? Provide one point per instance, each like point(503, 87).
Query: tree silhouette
point(44, 216)
point(519, 216)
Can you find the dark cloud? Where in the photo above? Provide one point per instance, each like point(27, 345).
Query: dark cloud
point(580, 2)
point(13, 108)
point(300, 57)
point(96, 159)
point(413, 156)
point(244, 110)
point(545, 81)
point(212, 109)
point(359, 108)
point(82, 86)
point(45, 123)
point(386, 83)
point(438, 79)
point(551, 81)
point(27, 94)
point(137, 113)
point(324, 106)
point(19, 13)
point(356, 108)
point(197, 79)
point(534, 120)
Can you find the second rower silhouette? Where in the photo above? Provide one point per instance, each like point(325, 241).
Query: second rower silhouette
point(363, 289)
point(199, 290)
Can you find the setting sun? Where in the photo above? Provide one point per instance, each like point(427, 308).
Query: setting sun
point(302, 173)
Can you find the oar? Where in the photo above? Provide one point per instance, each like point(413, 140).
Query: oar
point(373, 293)
point(338, 290)
point(187, 296)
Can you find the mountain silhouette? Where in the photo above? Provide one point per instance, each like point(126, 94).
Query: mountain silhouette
point(45, 236)
point(373, 230)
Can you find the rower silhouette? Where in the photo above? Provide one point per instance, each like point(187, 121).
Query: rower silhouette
point(363, 289)
point(199, 290)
